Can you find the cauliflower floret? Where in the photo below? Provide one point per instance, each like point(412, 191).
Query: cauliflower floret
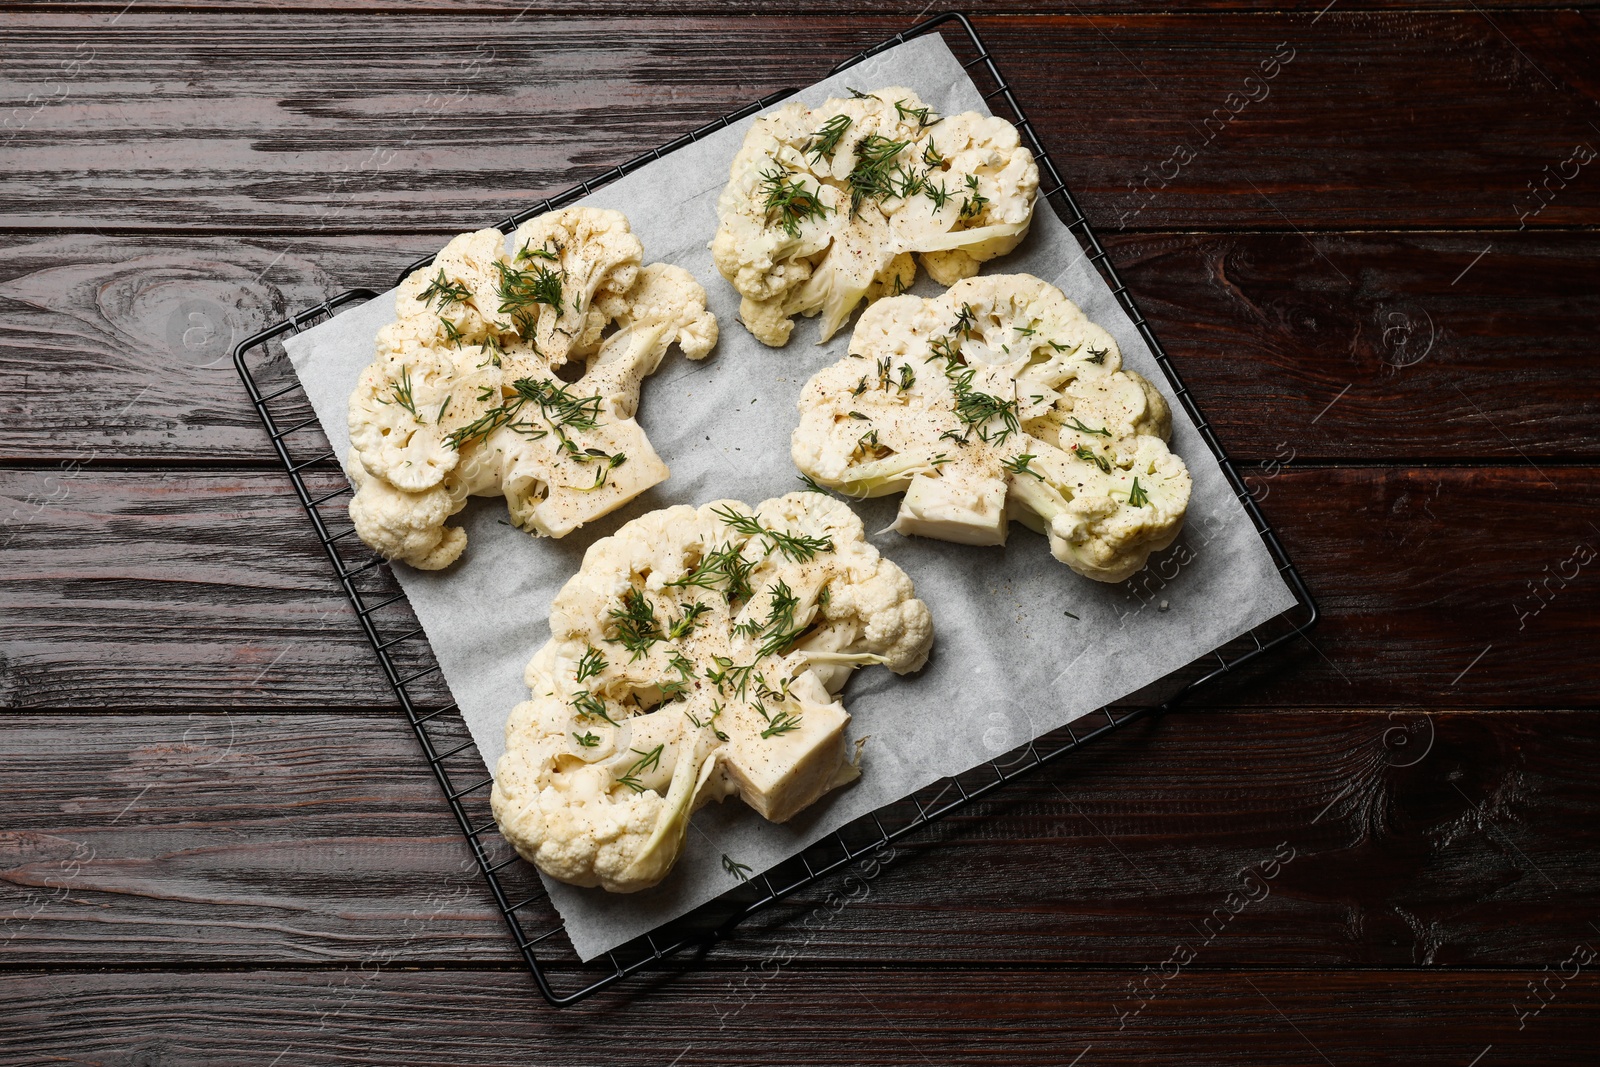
point(464, 398)
point(696, 654)
point(825, 207)
point(999, 401)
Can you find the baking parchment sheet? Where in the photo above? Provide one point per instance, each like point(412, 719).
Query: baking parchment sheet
point(1009, 663)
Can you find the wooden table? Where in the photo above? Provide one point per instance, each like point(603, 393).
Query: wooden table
point(219, 847)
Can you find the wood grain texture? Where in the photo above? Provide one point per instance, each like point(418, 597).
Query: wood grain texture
point(827, 1017)
point(229, 123)
point(1353, 346)
point(908, 10)
point(1406, 839)
point(200, 589)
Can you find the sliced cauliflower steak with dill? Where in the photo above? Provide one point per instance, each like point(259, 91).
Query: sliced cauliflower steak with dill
point(827, 206)
point(996, 401)
point(499, 377)
point(697, 654)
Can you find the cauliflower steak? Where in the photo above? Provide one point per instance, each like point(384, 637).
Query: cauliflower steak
point(826, 206)
point(517, 375)
point(999, 400)
point(696, 654)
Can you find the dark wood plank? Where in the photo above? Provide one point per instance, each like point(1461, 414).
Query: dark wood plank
point(203, 564)
point(1376, 839)
point(1380, 119)
point(799, 1016)
point(206, 589)
point(119, 348)
point(908, 10)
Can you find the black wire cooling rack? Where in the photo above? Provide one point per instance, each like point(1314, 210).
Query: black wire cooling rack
point(407, 662)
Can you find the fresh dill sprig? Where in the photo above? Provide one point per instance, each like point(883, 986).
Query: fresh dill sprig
point(610, 462)
point(591, 663)
point(519, 289)
point(740, 871)
point(523, 323)
point(586, 739)
point(682, 664)
point(726, 674)
point(635, 624)
point(766, 691)
point(681, 628)
point(797, 548)
point(781, 724)
point(825, 142)
point(905, 182)
point(439, 418)
point(528, 252)
point(451, 334)
point(445, 291)
point(402, 393)
point(1097, 355)
point(1019, 465)
point(975, 409)
point(908, 377)
point(647, 761)
point(860, 388)
point(869, 179)
point(1084, 453)
point(789, 202)
point(918, 113)
point(939, 194)
point(1076, 424)
point(1137, 496)
point(812, 486)
point(722, 568)
point(590, 706)
point(780, 611)
point(1063, 348)
point(966, 321)
point(883, 374)
point(482, 426)
point(559, 405)
point(857, 93)
point(972, 205)
point(931, 156)
point(867, 442)
point(779, 640)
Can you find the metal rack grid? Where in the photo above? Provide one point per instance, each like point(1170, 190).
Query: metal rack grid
point(403, 652)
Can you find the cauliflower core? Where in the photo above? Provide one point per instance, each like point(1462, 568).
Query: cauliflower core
point(826, 206)
point(517, 375)
point(999, 400)
point(695, 654)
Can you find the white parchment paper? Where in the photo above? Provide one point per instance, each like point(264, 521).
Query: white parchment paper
point(1009, 664)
